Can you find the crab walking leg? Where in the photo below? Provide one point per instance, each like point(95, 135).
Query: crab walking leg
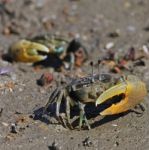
point(83, 116)
point(51, 100)
point(59, 99)
point(53, 96)
point(68, 110)
point(142, 108)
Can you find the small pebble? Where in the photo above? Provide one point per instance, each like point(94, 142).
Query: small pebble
point(87, 142)
point(145, 49)
point(20, 89)
point(114, 34)
point(109, 45)
point(131, 28)
point(13, 128)
point(45, 79)
point(54, 146)
point(116, 144)
point(114, 125)
point(5, 124)
point(146, 28)
point(1, 111)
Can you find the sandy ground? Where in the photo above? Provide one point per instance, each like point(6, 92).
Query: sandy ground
point(91, 20)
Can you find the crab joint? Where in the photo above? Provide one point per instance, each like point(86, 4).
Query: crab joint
point(131, 92)
point(26, 51)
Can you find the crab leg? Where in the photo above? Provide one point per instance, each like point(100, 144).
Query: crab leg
point(133, 90)
point(59, 99)
point(58, 103)
point(68, 110)
point(52, 99)
point(83, 116)
point(141, 107)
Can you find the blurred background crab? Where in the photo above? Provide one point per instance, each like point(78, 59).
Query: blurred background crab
point(27, 51)
point(45, 47)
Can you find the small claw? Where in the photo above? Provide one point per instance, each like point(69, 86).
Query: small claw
point(133, 91)
point(27, 51)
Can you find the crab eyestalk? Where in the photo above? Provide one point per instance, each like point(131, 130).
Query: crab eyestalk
point(26, 51)
point(133, 91)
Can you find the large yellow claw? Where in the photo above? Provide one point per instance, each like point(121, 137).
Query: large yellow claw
point(26, 51)
point(132, 91)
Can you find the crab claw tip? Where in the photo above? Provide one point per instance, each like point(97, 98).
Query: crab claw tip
point(38, 46)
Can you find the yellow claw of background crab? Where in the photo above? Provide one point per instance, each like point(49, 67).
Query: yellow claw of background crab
point(134, 91)
point(26, 51)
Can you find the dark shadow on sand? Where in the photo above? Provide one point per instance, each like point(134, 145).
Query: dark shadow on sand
point(90, 109)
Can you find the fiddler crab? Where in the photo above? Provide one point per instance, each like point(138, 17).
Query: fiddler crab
point(38, 48)
point(89, 89)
